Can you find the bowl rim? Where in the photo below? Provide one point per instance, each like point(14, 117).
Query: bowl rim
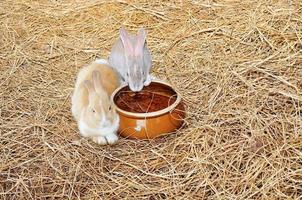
point(149, 114)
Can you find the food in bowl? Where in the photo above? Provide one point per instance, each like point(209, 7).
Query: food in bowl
point(154, 111)
point(143, 102)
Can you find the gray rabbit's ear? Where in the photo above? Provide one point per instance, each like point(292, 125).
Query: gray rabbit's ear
point(126, 41)
point(140, 41)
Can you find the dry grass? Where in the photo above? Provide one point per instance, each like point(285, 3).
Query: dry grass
point(238, 65)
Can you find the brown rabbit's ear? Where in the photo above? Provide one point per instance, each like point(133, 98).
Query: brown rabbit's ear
point(89, 86)
point(126, 41)
point(97, 82)
point(140, 41)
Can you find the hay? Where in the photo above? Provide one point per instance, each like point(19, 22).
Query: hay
point(237, 64)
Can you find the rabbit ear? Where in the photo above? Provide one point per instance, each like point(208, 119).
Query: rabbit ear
point(126, 41)
point(140, 41)
point(97, 82)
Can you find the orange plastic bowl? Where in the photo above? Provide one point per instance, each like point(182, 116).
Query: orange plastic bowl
point(151, 124)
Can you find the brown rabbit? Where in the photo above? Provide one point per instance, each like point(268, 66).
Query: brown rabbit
point(91, 105)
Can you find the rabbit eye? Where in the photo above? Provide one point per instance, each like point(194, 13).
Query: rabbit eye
point(143, 73)
point(127, 74)
point(93, 110)
point(109, 108)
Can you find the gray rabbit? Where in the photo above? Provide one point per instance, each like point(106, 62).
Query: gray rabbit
point(131, 57)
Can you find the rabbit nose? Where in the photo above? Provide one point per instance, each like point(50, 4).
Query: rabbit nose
point(138, 87)
point(134, 88)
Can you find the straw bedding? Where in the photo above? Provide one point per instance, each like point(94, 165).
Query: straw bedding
point(237, 64)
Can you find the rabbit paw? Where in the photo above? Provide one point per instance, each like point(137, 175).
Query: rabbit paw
point(99, 140)
point(103, 140)
point(149, 79)
point(112, 138)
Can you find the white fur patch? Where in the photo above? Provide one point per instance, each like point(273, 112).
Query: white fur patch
point(99, 140)
point(102, 61)
point(103, 140)
point(87, 131)
point(112, 138)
